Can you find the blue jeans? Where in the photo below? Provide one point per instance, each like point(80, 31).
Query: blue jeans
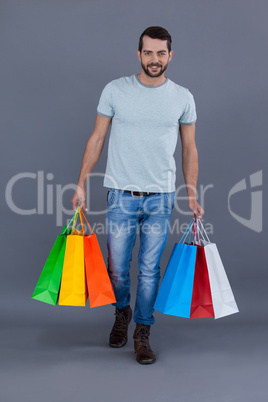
point(126, 216)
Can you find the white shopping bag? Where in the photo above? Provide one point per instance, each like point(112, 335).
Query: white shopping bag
point(222, 296)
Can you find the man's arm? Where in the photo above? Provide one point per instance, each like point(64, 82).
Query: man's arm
point(190, 166)
point(90, 158)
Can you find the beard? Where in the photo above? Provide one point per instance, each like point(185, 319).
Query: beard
point(147, 71)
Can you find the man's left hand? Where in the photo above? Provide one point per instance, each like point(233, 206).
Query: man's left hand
point(196, 209)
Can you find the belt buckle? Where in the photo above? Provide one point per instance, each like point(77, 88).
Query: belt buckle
point(141, 193)
point(137, 196)
point(133, 195)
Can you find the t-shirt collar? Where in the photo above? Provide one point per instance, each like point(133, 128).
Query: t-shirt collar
point(150, 86)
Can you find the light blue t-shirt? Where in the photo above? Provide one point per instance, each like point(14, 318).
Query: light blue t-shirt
point(144, 132)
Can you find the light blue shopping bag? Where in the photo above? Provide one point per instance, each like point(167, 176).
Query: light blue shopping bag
point(176, 289)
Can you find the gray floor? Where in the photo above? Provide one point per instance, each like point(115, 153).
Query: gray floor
point(62, 354)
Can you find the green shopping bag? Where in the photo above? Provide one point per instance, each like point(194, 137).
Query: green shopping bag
point(48, 284)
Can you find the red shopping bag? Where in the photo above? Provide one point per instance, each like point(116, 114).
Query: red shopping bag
point(201, 305)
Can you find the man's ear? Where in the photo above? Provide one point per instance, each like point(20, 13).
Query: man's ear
point(138, 53)
point(170, 55)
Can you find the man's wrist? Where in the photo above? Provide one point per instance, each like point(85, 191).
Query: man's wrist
point(81, 184)
point(82, 180)
point(191, 191)
point(192, 200)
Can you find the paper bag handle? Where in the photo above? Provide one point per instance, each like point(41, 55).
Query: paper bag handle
point(81, 211)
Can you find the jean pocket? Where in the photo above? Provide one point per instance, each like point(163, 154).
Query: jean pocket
point(110, 198)
point(170, 198)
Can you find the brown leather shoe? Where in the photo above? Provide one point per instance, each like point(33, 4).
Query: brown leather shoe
point(144, 353)
point(118, 335)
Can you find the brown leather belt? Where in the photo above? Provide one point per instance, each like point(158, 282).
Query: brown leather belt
point(138, 193)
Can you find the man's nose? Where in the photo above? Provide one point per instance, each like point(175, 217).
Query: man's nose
point(155, 58)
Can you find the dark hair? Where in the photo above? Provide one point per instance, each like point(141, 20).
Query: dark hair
point(156, 33)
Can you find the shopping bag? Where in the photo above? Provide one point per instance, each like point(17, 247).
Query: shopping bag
point(201, 305)
point(48, 284)
point(211, 293)
point(73, 289)
point(176, 289)
point(100, 290)
point(222, 295)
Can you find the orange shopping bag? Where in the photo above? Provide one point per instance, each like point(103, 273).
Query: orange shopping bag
point(100, 290)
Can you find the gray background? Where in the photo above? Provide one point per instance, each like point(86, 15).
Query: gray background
point(56, 57)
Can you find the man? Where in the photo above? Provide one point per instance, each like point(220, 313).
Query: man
point(147, 112)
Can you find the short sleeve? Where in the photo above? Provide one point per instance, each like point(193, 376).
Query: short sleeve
point(105, 106)
point(189, 114)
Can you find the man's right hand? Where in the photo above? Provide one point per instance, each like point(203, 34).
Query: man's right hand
point(79, 197)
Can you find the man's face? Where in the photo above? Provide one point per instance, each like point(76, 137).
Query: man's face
point(154, 56)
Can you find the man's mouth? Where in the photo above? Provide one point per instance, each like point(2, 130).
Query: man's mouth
point(154, 68)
